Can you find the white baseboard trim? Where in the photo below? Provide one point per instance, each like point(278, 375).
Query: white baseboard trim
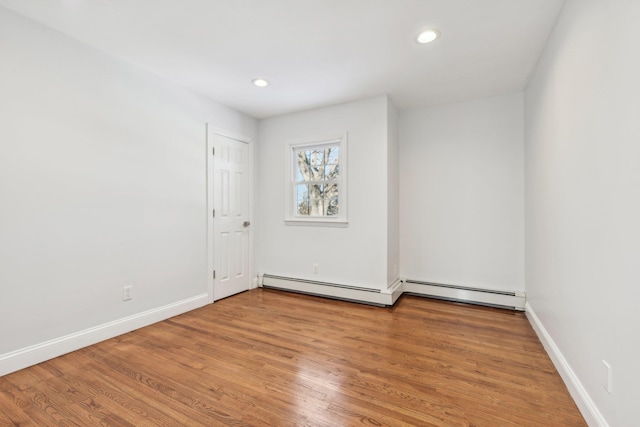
point(25, 357)
point(512, 300)
point(359, 294)
point(585, 404)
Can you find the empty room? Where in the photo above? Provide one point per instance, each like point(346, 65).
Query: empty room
point(319, 212)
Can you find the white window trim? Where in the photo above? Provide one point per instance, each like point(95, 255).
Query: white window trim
point(342, 218)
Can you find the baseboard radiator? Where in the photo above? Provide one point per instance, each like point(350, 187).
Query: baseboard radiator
point(492, 298)
point(388, 297)
point(371, 296)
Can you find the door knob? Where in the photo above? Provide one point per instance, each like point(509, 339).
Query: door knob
point(246, 224)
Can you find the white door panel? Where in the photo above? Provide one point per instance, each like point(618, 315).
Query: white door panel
point(231, 222)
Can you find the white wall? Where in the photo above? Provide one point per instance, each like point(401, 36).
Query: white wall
point(461, 193)
point(102, 184)
point(393, 194)
point(354, 255)
point(583, 210)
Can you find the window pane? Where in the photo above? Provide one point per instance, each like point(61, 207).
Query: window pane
point(332, 155)
point(317, 173)
point(332, 171)
point(316, 200)
point(331, 204)
point(302, 199)
point(303, 172)
point(316, 157)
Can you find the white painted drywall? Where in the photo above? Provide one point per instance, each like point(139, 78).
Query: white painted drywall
point(461, 193)
point(102, 184)
point(393, 194)
point(356, 254)
point(582, 196)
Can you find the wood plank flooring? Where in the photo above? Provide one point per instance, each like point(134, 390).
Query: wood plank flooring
point(272, 358)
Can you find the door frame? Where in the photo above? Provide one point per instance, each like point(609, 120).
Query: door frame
point(211, 130)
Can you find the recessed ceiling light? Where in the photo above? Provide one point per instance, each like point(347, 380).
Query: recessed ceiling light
point(428, 36)
point(260, 82)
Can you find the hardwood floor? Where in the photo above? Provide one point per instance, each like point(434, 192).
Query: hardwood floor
point(267, 357)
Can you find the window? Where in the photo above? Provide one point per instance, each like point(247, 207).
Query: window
point(317, 181)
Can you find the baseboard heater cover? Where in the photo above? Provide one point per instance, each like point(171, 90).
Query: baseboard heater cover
point(388, 297)
point(371, 296)
point(493, 298)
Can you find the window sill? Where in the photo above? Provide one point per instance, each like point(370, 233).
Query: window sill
point(317, 222)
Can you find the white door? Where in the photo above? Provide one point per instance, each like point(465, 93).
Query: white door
point(231, 217)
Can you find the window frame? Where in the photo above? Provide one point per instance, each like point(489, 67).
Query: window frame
point(291, 167)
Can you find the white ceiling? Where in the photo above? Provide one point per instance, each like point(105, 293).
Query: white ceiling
point(315, 52)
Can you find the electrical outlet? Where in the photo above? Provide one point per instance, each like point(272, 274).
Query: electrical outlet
point(607, 377)
point(126, 293)
point(315, 268)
